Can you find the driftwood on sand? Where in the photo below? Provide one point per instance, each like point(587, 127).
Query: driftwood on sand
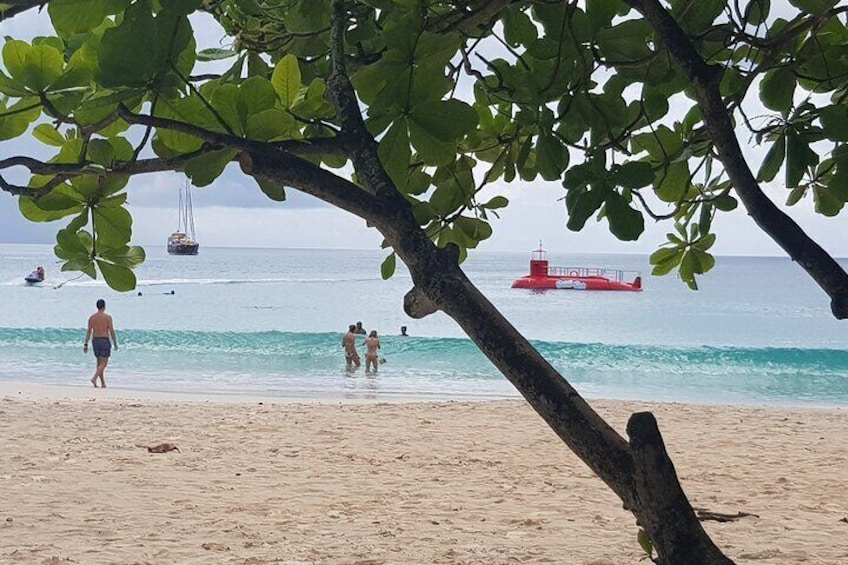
point(161, 448)
point(703, 515)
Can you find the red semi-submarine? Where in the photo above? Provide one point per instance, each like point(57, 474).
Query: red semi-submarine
point(575, 278)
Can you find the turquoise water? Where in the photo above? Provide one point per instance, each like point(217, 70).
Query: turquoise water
point(270, 321)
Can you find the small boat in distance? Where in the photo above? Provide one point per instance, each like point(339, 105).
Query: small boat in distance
point(36, 276)
point(182, 241)
point(575, 278)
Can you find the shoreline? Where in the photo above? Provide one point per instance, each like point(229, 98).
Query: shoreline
point(394, 483)
point(30, 391)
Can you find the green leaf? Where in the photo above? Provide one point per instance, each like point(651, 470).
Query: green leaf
point(445, 120)
point(626, 223)
point(117, 277)
point(813, 7)
point(645, 542)
point(799, 156)
point(225, 98)
point(689, 266)
point(496, 202)
point(113, 201)
point(79, 16)
point(474, 228)
point(272, 188)
point(626, 41)
point(582, 205)
point(34, 66)
point(188, 110)
point(757, 11)
point(142, 48)
point(665, 260)
point(46, 133)
point(101, 152)
point(62, 201)
point(634, 174)
point(834, 120)
point(445, 200)
point(395, 153)
point(672, 183)
point(387, 268)
point(205, 168)
point(16, 124)
point(518, 27)
point(271, 125)
point(78, 222)
point(551, 156)
point(112, 225)
point(129, 52)
point(129, 257)
point(827, 203)
point(661, 145)
point(773, 160)
point(215, 54)
point(256, 94)
point(12, 87)
point(286, 80)
point(695, 16)
point(433, 151)
point(84, 264)
point(705, 242)
point(725, 202)
point(705, 260)
point(71, 244)
point(777, 89)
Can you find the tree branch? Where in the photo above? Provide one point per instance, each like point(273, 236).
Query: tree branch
point(68, 170)
point(365, 157)
point(342, 144)
point(780, 227)
point(15, 7)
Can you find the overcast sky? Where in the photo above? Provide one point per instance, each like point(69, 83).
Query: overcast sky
point(233, 212)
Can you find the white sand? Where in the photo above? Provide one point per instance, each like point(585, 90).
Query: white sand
point(460, 483)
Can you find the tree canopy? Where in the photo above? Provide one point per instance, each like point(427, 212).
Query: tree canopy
point(598, 94)
point(402, 112)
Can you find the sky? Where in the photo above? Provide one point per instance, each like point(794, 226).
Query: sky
point(234, 213)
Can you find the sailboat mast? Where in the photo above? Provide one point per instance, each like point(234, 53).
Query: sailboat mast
point(180, 211)
point(189, 212)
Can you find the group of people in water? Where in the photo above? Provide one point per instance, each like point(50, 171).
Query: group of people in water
point(371, 343)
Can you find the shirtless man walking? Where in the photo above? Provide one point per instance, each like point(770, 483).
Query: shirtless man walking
point(349, 343)
point(100, 329)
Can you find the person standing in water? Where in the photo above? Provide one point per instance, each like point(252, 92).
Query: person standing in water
point(372, 344)
point(349, 344)
point(100, 329)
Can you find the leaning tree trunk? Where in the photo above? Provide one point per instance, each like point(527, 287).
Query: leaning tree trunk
point(643, 479)
point(640, 472)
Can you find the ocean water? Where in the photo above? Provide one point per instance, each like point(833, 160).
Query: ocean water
point(269, 322)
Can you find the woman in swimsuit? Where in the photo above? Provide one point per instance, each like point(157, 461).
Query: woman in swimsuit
point(372, 344)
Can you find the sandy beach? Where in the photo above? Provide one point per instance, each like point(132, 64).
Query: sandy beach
point(257, 482)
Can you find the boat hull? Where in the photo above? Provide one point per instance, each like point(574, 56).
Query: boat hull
point(183, 248)
point(33, 280)
point(575, 283)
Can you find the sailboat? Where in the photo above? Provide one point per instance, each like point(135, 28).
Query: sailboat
point(182, 241)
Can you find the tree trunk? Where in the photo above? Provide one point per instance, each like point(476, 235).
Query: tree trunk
point(665, 513)
point(640, 472)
